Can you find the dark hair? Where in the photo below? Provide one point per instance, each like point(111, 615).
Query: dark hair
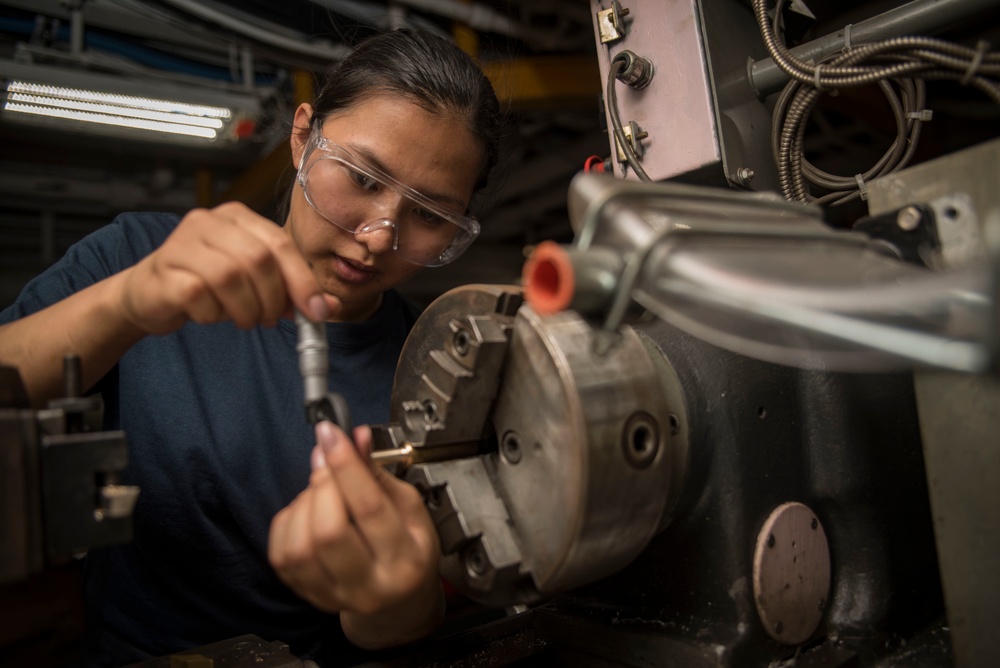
point(429, 70)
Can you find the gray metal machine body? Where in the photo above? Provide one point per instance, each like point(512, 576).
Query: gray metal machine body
point(699, 474)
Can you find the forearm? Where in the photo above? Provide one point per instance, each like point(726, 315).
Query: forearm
point(409, 622)
point(90, 324)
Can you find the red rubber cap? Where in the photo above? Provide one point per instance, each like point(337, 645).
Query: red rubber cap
point(548, 279)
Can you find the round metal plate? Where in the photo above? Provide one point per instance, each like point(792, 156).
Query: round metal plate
point(791, 573)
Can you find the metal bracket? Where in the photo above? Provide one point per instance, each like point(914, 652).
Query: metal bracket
point(909, 233)
point(634, 136)
point(611, 23)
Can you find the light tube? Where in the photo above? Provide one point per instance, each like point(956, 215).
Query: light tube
point(37, 100)
point(168, 106)
point(106, 119)
point(126, 111)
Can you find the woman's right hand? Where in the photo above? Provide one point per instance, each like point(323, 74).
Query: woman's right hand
point(225, 263)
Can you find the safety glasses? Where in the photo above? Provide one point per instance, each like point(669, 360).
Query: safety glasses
point(359, 198)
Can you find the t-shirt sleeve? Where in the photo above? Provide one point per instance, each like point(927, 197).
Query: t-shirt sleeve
point(128, 239)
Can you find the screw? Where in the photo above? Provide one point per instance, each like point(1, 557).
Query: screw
point(822, 604)
point(814, 524)
point(675, 424)
point(461, 342)
point(770, 540)
point(511, 447)
point(908, 218)
point(778, 627)
point(476, 560)
point(430, 412)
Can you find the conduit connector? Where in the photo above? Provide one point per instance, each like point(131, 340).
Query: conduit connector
point(636, 72)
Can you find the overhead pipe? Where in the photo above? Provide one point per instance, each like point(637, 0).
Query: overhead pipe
point(301, 46)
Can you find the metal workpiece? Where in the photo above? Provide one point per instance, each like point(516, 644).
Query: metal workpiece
point(767, 280)
point(572, 461)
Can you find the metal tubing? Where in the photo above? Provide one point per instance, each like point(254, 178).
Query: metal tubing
point(76, 31)
point(914, 18)
point(790, 292)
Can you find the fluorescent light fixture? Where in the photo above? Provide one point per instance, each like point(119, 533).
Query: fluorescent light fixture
point(139, 113)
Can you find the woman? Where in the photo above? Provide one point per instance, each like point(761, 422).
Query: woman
point(183, 327)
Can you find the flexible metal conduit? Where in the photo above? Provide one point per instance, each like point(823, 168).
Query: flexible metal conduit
point(920, 17)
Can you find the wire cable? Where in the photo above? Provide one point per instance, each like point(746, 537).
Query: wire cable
point(617, 67)
point(899, 66)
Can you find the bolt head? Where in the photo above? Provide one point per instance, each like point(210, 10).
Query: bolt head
point(908, 219)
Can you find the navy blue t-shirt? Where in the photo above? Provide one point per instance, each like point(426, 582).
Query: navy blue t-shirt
point(218, 444)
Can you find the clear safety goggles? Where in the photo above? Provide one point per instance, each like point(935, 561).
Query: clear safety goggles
point(359, 198)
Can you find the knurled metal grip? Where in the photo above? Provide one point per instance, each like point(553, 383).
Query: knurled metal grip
point(312, 350)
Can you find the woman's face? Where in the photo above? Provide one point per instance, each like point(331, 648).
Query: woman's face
point(434, 154)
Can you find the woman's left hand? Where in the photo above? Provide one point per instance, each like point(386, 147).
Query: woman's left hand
point(360, 542)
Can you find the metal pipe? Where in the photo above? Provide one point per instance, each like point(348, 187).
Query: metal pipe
point(728, 269)
point(76, 30)
point(298, 44)
point(919, 17)
point(247, 65)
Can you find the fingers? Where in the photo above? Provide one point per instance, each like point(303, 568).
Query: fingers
point(344, 543)
point(339, 549)
point(258, 270)
point(290, 552)
point(228, 274)
point(226, 263)
point(363, 440)
point(364, 498)
point(298, 279)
